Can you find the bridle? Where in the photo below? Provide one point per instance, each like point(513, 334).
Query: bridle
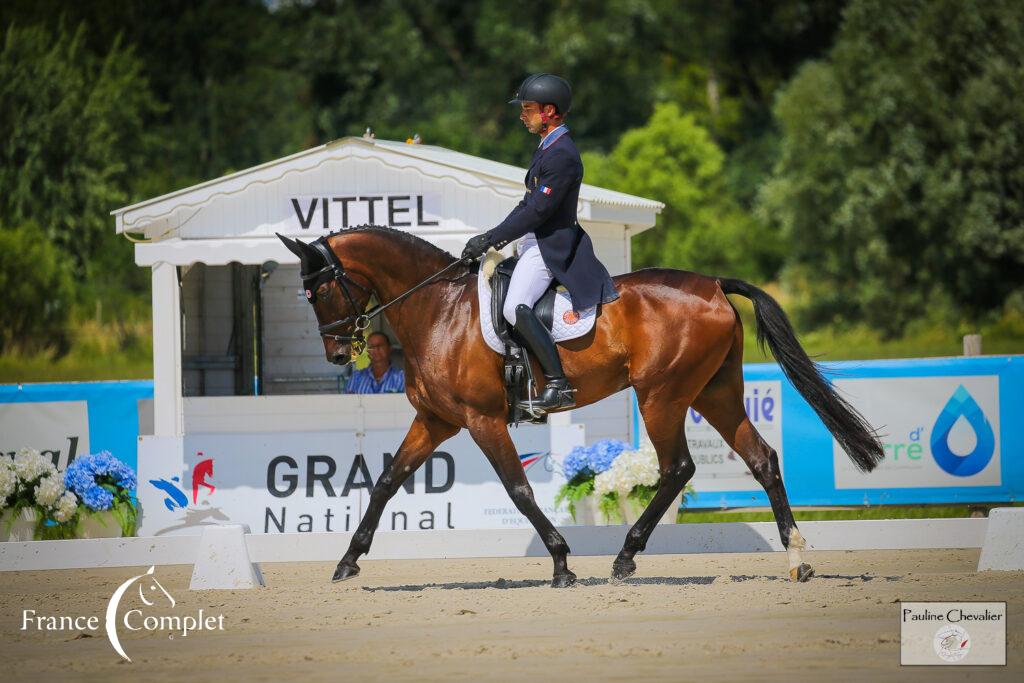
point(336, 272)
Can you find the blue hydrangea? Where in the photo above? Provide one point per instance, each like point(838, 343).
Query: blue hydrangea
point(85, 474)
point(592, 460)
point(576, 463)
point(603, 454)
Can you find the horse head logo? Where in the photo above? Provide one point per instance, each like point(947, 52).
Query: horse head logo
point(149, 586)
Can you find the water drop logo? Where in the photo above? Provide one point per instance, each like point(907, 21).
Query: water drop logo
point(962, 405)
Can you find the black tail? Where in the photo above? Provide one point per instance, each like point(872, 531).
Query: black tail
point(848, 426)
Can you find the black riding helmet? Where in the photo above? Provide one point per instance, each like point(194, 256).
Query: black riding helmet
point(545, 89)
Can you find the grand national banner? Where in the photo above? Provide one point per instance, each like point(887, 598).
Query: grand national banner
point(321, 481)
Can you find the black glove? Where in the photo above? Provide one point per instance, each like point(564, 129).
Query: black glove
point(476, 247)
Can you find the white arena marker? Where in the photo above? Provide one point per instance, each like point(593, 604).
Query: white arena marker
point(222, 561)
point(1003, 548)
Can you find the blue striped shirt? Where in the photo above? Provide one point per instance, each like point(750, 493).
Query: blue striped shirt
point(363, 381)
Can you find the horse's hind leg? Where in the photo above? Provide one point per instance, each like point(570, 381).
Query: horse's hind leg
point(664, 419)
point(721, 404)
point(491, 434)
point(424, 436)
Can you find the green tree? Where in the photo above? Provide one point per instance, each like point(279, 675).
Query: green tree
point(674, 160)
point(36, 287)
point(72, 135)
point(901, 179)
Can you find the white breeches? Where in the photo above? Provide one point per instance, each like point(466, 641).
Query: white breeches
point(530, 279)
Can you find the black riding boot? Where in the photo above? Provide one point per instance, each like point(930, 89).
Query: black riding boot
point(557, 393)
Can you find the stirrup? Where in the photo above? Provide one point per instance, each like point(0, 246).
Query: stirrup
point(564, 399)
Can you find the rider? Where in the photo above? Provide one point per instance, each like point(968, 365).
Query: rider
point(553, 245)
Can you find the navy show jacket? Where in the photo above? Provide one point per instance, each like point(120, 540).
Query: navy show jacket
point(548, 210)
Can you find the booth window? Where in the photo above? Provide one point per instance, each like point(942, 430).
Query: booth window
point(247, 330)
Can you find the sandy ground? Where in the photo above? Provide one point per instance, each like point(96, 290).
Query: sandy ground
point(711, 617)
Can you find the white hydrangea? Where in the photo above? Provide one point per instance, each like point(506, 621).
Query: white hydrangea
point(630, 469)
point(30, 465)
point(8, 479)
point(49, 490)
point(66, 507)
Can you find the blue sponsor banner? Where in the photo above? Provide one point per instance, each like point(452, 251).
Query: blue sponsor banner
point(950, 428)
point(110, 418)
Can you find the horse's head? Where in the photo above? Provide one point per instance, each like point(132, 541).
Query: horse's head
point(338, 300)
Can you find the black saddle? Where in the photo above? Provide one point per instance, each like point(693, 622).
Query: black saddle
point(544, 308)
point(518, 374)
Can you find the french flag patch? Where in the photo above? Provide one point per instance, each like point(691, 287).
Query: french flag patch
point(545, 189)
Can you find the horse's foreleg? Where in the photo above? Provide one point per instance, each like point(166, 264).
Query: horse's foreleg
point(424, 436)
point(664, 422)
point(491, 435)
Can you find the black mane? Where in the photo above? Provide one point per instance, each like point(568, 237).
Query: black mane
point(405, 237)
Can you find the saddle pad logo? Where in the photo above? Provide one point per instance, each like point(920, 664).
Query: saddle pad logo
point(571, 317)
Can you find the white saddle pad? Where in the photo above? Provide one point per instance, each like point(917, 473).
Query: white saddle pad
point(565, 323)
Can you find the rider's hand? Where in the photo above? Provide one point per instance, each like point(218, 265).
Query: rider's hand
point(476, 247)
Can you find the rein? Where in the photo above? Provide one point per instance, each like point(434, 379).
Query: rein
point(362, 320)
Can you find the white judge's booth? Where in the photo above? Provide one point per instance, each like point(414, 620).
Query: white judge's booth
point(250, 423)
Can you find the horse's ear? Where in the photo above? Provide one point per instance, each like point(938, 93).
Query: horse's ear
point(294, 246)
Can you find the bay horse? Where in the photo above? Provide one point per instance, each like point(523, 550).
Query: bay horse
point(671, 335)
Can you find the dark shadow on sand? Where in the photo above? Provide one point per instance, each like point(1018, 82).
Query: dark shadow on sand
point(506, 584)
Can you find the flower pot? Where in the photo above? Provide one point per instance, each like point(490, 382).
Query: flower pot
point(98, 525)
point(631, 513)
point(587, 513)
point(19, 528)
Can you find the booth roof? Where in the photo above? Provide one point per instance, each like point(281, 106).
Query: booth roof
point(156, 208)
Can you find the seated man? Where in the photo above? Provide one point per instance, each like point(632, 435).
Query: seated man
point(380, 377)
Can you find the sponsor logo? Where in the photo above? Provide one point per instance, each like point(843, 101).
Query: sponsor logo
point(340, 212)
point(530, 459)
point(176, 498)
point(571, 317)
point(962, 406)
point(935, 431)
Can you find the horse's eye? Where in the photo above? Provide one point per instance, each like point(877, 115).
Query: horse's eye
point(323, 293)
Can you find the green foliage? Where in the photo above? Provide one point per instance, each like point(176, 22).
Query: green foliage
point(572, 492)
point(71, 136)
point(124, 509)
point(49, 530)
point(608, 505)
point(674, 159)
point(895, 159)
point(901, 177)
point(36, 290)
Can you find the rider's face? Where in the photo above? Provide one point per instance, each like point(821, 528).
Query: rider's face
point(529, 114)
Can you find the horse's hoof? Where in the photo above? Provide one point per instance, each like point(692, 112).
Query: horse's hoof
point(345, 571)
point(563, 580)
point(801, 573)
point(622, 570)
